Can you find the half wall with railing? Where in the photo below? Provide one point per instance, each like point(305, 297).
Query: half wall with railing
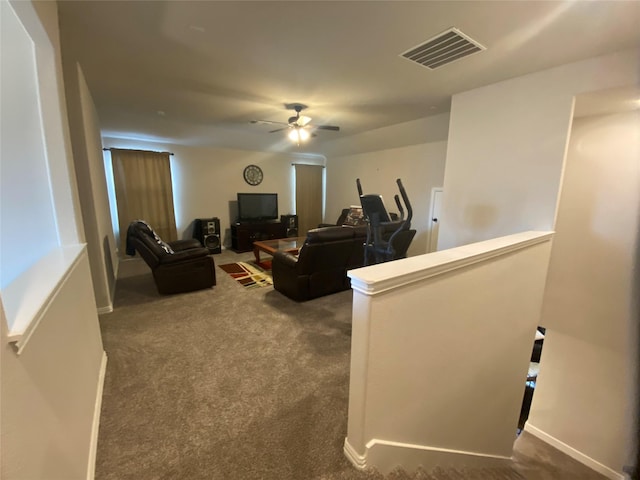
point(440, 352)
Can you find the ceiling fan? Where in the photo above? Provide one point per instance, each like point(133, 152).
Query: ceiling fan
point(298, 125)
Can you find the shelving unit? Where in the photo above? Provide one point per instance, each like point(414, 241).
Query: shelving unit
point(244, 234)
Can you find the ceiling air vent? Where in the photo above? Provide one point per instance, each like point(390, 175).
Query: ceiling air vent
point(442, 49)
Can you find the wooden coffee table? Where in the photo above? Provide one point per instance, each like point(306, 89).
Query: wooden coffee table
point(289, 245)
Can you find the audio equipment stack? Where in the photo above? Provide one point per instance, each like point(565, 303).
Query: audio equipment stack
point(207, 230)
point(290, 223)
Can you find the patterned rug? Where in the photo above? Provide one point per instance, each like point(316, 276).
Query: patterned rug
point(249, 274)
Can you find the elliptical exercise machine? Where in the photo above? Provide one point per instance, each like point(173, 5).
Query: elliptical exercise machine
point(387, 238)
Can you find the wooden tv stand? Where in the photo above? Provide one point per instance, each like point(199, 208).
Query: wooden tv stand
point(245, 233)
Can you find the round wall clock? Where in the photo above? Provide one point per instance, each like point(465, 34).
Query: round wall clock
point(253, 175)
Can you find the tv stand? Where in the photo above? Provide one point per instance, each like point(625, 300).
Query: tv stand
point(243, 234)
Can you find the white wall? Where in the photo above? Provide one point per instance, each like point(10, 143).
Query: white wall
point(505, 160)
point(420, 167)
point(92, 186)
point(206, 180)
point(50, 392)
point(507, 145)
point(435, 380)
point(22, 137)
point(585, 396)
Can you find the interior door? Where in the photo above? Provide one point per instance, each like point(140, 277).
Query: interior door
point(434, 218)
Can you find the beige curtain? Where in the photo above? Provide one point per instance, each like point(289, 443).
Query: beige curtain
point(308, 197)
point(143, 191)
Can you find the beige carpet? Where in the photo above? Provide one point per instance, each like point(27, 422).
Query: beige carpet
point(233, 383)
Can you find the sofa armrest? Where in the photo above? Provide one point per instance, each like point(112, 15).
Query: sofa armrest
point(286, 278)
point(184, 255)
point(179, 245)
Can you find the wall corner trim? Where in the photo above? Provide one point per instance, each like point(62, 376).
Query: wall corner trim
point(105, 309)
point(573, 453)
point(27, 299)
point(93, 445)
point(385, 456)
point(358, 461)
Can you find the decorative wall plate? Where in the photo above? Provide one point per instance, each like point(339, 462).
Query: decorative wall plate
point(253, 175)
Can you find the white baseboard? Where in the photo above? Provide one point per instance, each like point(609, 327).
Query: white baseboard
point(106, 309)
point(93, 446)
point(385, 456)
point(573, 453)
point(358, 461)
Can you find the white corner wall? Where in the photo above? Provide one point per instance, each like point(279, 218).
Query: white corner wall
point(23, 137)
point(92, 185)
point(507, 144)
point(586, 393)
point(505, 161)
point(50, 391)
point(439, 353)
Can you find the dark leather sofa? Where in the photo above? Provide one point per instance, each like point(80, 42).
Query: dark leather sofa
point(322, 263)
point(177, 267)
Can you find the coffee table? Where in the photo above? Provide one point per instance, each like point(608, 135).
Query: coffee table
point(289, 245)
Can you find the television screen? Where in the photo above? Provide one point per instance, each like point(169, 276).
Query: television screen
point(257, 206)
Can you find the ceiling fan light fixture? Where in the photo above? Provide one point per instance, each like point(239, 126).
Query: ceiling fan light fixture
point(298, 134)
point(299, 127)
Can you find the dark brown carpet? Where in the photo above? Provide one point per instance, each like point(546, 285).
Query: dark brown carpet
point(232, 383)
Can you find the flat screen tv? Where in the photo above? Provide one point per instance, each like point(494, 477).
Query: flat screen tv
point(253, 207)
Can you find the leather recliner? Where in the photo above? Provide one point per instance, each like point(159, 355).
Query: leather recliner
point(177, 267)
point(320, 268)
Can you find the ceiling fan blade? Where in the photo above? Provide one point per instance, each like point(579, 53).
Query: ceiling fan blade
point(303, 120)
point(267, 122)
point(327, 127)
point(278, 130)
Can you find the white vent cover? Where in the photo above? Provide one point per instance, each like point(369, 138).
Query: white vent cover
point(442, 49)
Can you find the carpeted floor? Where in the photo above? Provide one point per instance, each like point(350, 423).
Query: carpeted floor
point(233, 383)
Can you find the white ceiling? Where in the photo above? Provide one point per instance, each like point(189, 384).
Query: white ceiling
point(197, 72)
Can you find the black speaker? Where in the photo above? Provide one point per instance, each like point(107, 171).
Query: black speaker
point(290, 223)
point(207, 230)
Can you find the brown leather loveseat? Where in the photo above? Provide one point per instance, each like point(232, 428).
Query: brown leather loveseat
point(180, 266)
point(320, 268)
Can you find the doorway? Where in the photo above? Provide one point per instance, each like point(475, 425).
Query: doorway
point(434, 219)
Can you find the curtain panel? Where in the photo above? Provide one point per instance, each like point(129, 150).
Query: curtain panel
point(143, 191)
point(308, 196)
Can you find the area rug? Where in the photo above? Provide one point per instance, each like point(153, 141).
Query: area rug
point(249, 274)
